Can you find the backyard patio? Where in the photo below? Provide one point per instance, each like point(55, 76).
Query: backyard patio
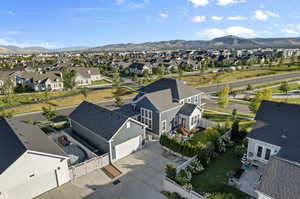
point(250, 179)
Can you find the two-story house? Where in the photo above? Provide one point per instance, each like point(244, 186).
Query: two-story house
point(41, 81)
point(275, 143)
point(165, 105)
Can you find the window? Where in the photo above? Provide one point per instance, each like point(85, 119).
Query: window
point(164, 126)
point(259, 151)
point(196, 99)
point(268, 153)
point(146, 117)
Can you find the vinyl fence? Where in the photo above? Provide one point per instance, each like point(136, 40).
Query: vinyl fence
point(171, 186)
point(88, 166)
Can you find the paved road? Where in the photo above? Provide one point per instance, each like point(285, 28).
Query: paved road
point(211, 103)
point(243, 83)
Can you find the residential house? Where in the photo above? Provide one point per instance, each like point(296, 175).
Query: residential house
point(165, 105)
point(86, 76)
point(31, 163)
point(39, 81)
point(7, 75)
point(275, 142)
point(139, 68)
point(109, 131)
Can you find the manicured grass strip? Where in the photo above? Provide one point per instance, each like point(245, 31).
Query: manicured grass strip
point(228, 111)
point(214, 178)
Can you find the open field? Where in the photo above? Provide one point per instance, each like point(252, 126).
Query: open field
point(93, 96)
point(217, 78)
point(30, 97)
point(291, 86)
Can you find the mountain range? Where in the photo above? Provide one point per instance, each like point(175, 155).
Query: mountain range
point(217, 43)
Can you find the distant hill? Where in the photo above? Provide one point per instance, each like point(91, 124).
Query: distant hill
point(217, 43)
point(36, 49)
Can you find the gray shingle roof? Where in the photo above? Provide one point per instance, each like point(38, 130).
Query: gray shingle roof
point(101, 121)
point(178, 88)
point(187, 109)
point(162, 100)
point(281, 179)
point(17, 137)
point(278, 124)
point(128, 110)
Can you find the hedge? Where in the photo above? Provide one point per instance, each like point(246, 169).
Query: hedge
point(184, 148)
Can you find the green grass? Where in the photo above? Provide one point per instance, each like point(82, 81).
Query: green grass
point(222, 110)
point(214, 178)
point(292, 86)
point(204, 137)
point(100, 82)
point(217, 117)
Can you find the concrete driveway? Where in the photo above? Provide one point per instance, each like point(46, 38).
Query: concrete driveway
point(142, 178)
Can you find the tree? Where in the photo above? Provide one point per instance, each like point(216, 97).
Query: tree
point(8, 92)
point(48, 113)
point(284, 87)
point(84, 92)
point(116, 83)
point(234, 111)
point(249, 87)
point(265, 94)
point(69, 78)
point(180, 71)
point(224, 97)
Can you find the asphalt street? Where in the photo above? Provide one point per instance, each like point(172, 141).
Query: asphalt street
point(209, 102)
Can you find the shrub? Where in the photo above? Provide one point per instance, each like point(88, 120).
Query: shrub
point(170, 171)
point(184, 177)
point(219, 196)
point(239, 151)
point(220, 145)
point(196, 167)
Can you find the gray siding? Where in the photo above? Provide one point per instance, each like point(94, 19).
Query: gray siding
point(91, 137)
point(169, 116)
point(145, 103)
point(126, 134)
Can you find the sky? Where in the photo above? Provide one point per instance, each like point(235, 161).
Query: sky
point(65, 23)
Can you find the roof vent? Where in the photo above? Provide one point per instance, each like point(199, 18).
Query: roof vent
point(284, 134)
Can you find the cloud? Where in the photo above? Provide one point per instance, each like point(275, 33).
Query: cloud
point(138, 4)
point(120, 2)
point(290, 31)
point(11, 12)
point(164, 15)
point(237, 18)
point(198, 19)
point(24, 44)
point(198, 3)
point(264, 15)
point(234, 30)
point(216, 18)
point(272, 14)
point(228, 2)
point(260, 15)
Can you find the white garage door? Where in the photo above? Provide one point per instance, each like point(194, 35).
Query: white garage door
point(35, 186)
point(127, 147)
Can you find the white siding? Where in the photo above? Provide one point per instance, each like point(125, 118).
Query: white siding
point(33, 170)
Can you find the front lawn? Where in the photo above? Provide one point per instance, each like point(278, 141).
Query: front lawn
point(100, 82)
point(214, 178)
